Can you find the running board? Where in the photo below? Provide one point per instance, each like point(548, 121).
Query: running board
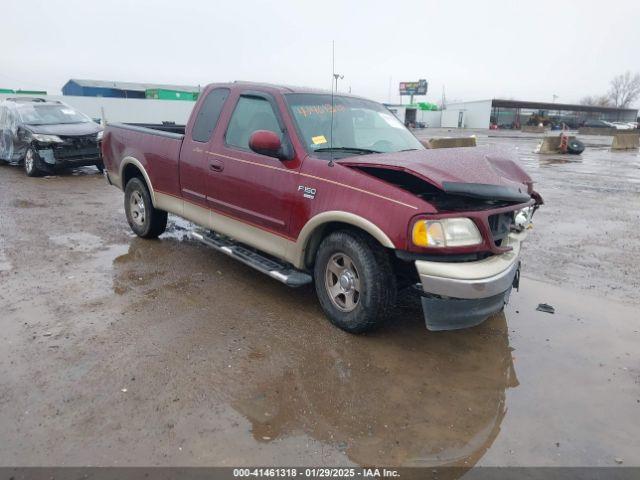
point(280, 271)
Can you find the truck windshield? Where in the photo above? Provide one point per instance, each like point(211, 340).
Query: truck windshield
point(34, 114)
point(359, 126)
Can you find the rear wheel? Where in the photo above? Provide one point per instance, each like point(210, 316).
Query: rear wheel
point(354, 281)
point(31, 163)
point(145, 220)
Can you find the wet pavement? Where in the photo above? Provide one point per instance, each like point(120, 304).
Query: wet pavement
point(123, 351)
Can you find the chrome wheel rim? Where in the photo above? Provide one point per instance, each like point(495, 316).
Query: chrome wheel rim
point(342, 282)
point(137, 208)
point(28, 160)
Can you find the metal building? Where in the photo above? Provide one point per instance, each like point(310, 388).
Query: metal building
point(513, 114)
point(105, 88)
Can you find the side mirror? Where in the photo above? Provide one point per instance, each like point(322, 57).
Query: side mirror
point(266, 142)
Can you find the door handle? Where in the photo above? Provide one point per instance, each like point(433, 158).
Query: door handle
point(216, 166)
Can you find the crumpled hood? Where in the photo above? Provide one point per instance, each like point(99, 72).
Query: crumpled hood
point(85, 128)
point(449, 168)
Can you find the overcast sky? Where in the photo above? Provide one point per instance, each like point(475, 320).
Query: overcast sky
point(476, 49)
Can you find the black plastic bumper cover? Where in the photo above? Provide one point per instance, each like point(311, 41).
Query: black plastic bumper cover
point(457, 313)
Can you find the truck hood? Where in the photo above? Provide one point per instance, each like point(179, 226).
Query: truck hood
point(480, 172)
point(69, 129)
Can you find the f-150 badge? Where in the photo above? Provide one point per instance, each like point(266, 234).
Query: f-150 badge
point(307, 192)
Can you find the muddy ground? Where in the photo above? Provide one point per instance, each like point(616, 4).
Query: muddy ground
point(121, 351)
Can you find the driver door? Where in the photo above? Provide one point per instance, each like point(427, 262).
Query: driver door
point(248, 186)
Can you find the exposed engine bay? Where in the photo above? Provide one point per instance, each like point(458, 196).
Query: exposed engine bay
point(443, 201)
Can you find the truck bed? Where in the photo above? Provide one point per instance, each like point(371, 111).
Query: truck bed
point(155, 146)
point(162, 129)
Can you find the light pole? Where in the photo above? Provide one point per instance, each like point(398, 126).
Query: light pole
point(337, 77)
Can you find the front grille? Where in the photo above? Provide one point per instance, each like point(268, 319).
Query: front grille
point(79, 141)
point(500, 225)
point(77, 147)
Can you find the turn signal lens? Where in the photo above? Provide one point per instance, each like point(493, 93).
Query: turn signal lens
point(419, 234)
point(447, 232)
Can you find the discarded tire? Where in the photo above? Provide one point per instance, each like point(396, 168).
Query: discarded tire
point(575, 147)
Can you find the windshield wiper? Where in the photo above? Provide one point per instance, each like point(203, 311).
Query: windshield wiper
point(56, 123)
point(363, 151)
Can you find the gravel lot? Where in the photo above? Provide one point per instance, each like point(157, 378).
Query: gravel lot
point(122, 351)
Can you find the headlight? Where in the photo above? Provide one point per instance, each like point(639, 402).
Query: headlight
point(42, 138)
point(522, 218)
point(99, 135)
point(446, 232)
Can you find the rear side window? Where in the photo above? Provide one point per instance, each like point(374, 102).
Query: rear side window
point(209, 113)
point(251, 114)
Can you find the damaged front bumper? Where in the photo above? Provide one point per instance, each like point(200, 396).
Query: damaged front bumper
point(53, 158)
point(464, 294)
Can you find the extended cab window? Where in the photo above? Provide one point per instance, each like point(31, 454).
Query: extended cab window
point(209, 114)
point(251, 114)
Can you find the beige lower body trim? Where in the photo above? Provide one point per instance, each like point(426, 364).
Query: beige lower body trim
point(285, 249)
point(248, 234)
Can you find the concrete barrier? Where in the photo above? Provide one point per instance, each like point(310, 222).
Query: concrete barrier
point(532, 129)
point(452, 142)
point(551, 144)
point(625, 141)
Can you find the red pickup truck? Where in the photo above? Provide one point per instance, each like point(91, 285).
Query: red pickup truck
point(309, 187)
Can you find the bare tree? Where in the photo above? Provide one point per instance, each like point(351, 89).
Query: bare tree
point(596, 101)
point(625, 89)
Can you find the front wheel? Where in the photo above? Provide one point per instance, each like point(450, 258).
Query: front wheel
point(31, 163)
point(145, 220)
point(354, 281)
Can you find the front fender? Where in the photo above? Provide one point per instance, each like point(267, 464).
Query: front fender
point(317, 222)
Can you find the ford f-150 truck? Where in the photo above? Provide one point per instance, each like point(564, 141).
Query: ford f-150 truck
point(307, 186)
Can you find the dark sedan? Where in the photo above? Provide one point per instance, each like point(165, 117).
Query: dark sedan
point(46, 136)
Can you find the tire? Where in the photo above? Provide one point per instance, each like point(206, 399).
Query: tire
point(145, 220)
point(354, 280)
point(31, 163)
point(575, 147)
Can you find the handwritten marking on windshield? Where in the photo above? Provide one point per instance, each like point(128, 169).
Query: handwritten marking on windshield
point(309, 110)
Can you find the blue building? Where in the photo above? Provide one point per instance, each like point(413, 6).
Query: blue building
point(104, 88)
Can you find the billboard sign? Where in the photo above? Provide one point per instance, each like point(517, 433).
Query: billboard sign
point(414, 88)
